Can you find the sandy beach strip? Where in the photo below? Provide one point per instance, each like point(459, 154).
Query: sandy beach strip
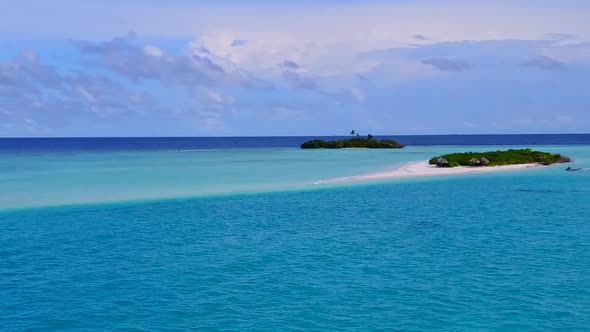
point(424, 169)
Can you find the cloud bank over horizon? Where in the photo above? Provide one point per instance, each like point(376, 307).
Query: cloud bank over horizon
point(223, 68)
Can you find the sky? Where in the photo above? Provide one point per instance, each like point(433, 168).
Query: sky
point(261, 68)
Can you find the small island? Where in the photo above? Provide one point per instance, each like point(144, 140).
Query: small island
point(357, 142)
point(498, 158)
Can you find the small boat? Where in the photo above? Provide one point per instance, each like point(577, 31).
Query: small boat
point(569, 169)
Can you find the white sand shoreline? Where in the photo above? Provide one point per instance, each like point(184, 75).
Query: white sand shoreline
point(424, 169)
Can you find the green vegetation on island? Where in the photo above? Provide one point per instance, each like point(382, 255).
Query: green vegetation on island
point(498, 158)
point(356, 142)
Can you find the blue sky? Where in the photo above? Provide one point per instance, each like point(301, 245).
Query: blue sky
point(204, 68)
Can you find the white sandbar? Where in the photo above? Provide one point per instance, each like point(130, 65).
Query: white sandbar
point(423, 169)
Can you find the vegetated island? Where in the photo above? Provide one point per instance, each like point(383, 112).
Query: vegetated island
point(357, 142)
point(498, 158)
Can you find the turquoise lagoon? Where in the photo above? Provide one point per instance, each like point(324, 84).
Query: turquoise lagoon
point(45, 179)
point(242, 239)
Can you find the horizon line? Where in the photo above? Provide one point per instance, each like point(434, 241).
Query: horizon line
point(283, 136)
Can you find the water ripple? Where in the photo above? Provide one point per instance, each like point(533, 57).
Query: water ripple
point(461, 255)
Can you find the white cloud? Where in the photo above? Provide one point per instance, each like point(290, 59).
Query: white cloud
point(216, 98)
point(86, 95)
point(153, 50)
point(358, 95)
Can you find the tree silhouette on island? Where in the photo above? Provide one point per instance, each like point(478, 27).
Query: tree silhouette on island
point(358, 142)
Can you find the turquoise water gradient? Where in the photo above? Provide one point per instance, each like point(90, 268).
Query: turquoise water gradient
point(506, 251)
point(28, 180)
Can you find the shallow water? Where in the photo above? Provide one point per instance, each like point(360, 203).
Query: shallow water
point(43, 179)
point(505, 251)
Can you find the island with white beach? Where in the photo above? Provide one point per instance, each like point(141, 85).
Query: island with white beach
point(498, 158)
point(462, 163)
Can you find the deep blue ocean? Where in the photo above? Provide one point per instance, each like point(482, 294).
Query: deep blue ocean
point(89, 144)
point(232, 234)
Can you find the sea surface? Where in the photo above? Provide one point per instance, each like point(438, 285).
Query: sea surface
point(235, 234)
